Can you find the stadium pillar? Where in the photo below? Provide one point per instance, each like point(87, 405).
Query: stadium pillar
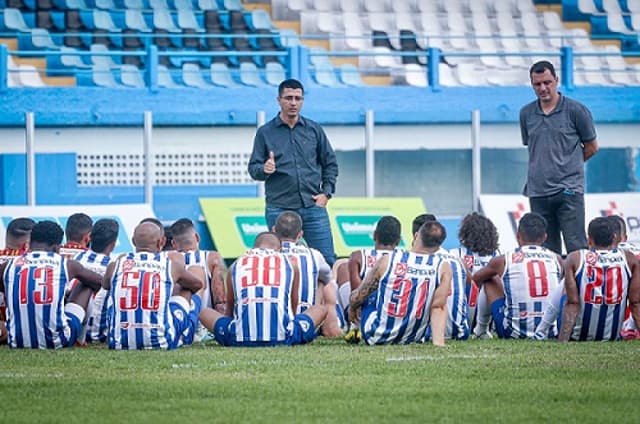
point(294, 62)
point(31, 158)
point(148, 159)
point(566, 65)
point(433, 72)
point(151, 70)
point(476, 175)
point(4, 67)
point(369, 149)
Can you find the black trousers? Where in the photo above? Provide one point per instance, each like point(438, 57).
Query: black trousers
point(564, 212)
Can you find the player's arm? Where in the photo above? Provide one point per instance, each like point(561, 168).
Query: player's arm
point(439, 305)
point(108, 275)
point(634, 287)
point(561, 263)
point(355, 265)
point(369, 285)
point(572, 305)
point(230, 295)
point(2, 268)
point(181, 276)
point(87, 277)
point(295, 288)
point(217, 269)
point(495, 268)
point(259, 155)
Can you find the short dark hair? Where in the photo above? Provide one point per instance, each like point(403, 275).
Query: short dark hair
point(290, 83)
point(180, 229)
point(104, 232)
point(47, 232)
point(619, 225)
point(421, 219)
point(20, 228)
point(288, 225)
point(541, 66)
point(532, 227)
point(478, 234)
point(601, 231)
point(432, 234)
point(78, 225)
point(269, 238)
point(168, 235)
point(388, 230)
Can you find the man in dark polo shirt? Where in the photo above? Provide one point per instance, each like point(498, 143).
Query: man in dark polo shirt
point(293, 156)
point(560, 136)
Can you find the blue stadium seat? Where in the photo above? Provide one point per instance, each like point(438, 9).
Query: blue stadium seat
point(232, 5)
point(192, 76)
point(135, 4)
point(163, 24)
point(159, 4)
point(208, 5)
point(105, 4)
point(134, 19)
point(275, 73)
point(183, 4)
point(12, 19)
point(259, 19)
point(221, 75)
point(250, 75)
point(103, 77)
point(165, 79)
point(103, 60)
point(131, 76)
point(350, 75)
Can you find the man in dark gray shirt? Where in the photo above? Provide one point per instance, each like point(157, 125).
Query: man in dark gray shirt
point(293, 156)
point(560, 136)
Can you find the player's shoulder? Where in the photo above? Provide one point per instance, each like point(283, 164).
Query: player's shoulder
point(528, 108)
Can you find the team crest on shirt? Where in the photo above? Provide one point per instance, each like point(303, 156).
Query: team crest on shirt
point(469, 260)
point(20, 261)
point(128, 264)
point(591, 258)
point(401, 269)
point(517, 257)
point(371, 261)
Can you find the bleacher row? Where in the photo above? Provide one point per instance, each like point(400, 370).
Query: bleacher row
point(206, 43)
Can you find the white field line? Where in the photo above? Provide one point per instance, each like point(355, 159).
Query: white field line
point(438, 358)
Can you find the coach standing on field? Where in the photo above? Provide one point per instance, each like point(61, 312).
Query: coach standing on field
point(293, 156)
point(560, 136)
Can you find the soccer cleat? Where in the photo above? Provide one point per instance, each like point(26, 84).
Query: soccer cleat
point(353, 336)
point(630, 334)
point(539, 335)
point(483, 336)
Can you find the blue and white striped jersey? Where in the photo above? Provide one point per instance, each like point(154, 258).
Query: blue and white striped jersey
point(457, 306)
point(369, 259)
point(399, 310)
point(531, 274)
point(97, 326)
point(141, 288)
point(199, 258)
point(603, 282)
point(312, 267)
point(262, 282)
point(35, 285)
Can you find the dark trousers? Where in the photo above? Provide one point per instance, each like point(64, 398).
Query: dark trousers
point(564, 213)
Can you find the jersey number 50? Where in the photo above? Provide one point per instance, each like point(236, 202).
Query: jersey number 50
point(140, 289)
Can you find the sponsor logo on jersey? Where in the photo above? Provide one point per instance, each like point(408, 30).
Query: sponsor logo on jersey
point(591, 258)
point(517, 257)
point(249, 227)
point(401, 269)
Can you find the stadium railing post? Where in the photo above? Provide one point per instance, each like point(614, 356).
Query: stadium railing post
point(4, 67)
point(151, 70)
point(566, 65)
point(433, 72)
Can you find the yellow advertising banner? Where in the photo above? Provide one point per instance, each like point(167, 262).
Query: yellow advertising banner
point(235, 222)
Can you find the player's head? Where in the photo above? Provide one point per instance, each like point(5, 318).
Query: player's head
point(267, 240)
point(421, 219)
point(290, 98)
point(544, 80)
point(168, 238)
point(620, 228)
point(47, 236)
point(104, 235)
point(148, 237)
point(532, 229)
point(78, 229)
point(155, 221)
point(288, 226)
point(430, 235)
point(184, 235)
point(388, 232)
point(601, 233)
point(478, 234)
point(18, 233)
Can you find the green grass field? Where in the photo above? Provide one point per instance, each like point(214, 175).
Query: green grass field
point(328, 381)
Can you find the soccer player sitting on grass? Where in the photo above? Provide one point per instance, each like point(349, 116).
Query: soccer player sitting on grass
point(520, 282)
point(152, 294)
point(405, 292)
point(77, 232)
point(598, 282)
point(316, 283)
point(262, 295)
point(34, 286)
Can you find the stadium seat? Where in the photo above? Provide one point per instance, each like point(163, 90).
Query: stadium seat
point(134, 19)
point(72, 59)
point(187, 21)
point(354, 33)
point(105, 4)
point(325, 75)
point(221, 75)
point(250, 75)
point(377, 6)
point(183, 5)
point(409, 44)
point(288, 38)
point(28, 76)
point(274, 73)
point(350, 75)
point(447, 76)
point(633, 6)
point(13, 20)
point(471, 75)
point(616, 24)
point(106, 31)
point(159, 4)
point(44, 5)
point(260, 20)
point(635, 21)
point(101, 60)
point(403, 6)
point(163, 24)
point(12, 73)
point(131, 77)
point(134, 4)
point(44, 20)
point(207, 5)
point(232, 5)
point(619, 71)
point(103, 77)
point(325, 5)
point(165, 80)
point(411, 74)
point(40, 39)
point(192, 76)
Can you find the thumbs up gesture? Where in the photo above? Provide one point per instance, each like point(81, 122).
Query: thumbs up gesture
point(270, 164)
